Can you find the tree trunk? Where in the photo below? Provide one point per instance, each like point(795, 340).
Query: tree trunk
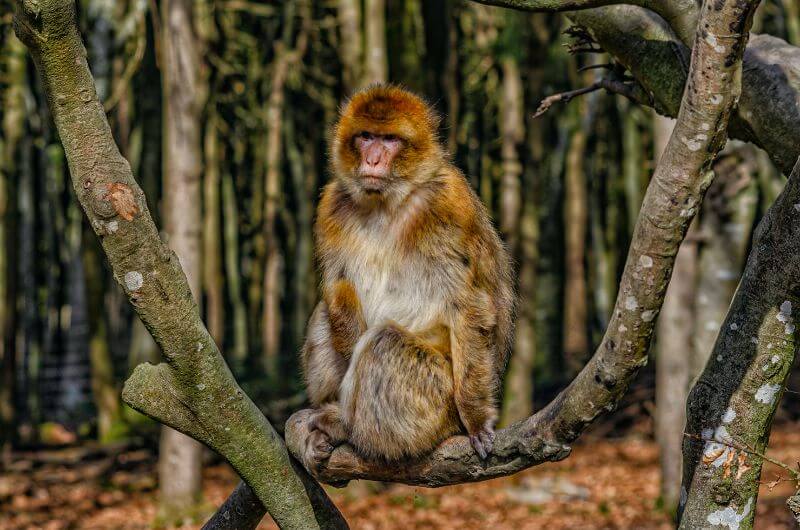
point(731, 407)
point(180, 456)
point(576, 341)
point(674, 344)
point(674, 348)
point(13, 127)
point(725, 231)
point(351, 40)
point(376, 62)
point(212, 233)
point(520, 226)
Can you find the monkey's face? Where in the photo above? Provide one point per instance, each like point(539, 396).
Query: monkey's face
point(376, 154)
point(384, 143)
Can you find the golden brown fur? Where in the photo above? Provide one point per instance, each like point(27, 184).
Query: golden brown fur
point(409, 342)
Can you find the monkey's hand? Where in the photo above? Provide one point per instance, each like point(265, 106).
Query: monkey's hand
point(483, 440)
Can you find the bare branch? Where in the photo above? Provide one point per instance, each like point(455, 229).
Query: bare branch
point(614, 86)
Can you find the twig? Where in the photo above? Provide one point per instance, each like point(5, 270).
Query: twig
point(566, 97)
point(614, 86)
point(733, 445)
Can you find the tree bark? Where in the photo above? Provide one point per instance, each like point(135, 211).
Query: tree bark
point(13, 127)
point(520, 224)
point(193, 390)
point(576, 339)
point(376, 62)
point(212, 232)
point(351, 39)
point(725, 232)
point(180, 457)
point(730, 408)
point(674, 349)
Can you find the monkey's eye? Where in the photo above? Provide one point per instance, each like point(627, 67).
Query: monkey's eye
point(391, 138)
point(365, 135)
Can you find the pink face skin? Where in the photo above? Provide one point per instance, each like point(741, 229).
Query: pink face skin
point(377, 153)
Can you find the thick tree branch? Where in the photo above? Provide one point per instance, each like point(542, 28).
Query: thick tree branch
point(673, 196)
point(194, 390)
point(733, 402)
point(769, 108)
point(652, 37)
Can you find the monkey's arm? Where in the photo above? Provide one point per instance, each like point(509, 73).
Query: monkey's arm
point(345, 316)
point(334, 328)
point(474, 356)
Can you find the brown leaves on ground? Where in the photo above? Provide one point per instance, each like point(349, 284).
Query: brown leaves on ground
point(603, 485)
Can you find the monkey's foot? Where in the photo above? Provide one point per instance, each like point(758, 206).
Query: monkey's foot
point(483, 441)
point(311, 446)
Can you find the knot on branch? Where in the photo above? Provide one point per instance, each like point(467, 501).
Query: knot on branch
point(113, 199)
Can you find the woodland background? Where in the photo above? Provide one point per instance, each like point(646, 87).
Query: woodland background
point(564, 189)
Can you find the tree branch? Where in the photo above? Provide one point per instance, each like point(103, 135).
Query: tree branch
point(737, 394)
point(673, 196)
point(193, 391)
point(769, 108)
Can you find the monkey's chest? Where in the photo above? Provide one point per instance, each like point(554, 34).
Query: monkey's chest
point(411, 292)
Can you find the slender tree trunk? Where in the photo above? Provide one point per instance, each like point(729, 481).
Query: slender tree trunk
point(725, 229)
point(212, 232)
point(104, 388)
point(635, 181)
point(576, 343)
point(13, 127)
point(512, 132)
point(304, 180)
point(180, 456)
point(675, 327)
point(233, 270)
point(351, 41)
point(376, 62)
point(273, 267)
point(520, 228)
point(674, 334)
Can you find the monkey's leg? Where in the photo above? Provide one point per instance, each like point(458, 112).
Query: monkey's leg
point(397, 396)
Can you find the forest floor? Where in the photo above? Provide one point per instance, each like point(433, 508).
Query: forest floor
point(605, 484)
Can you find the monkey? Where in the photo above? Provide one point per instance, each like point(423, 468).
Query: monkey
point(410, 339)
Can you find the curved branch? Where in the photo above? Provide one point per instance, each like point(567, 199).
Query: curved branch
point(194, 390)
point(674, 193)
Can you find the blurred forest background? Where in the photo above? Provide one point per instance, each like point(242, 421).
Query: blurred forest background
point(564, 189)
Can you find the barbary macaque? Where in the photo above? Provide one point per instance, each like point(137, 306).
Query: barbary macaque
point(410, 340)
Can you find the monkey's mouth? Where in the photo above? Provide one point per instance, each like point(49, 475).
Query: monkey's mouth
point(373, 183)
